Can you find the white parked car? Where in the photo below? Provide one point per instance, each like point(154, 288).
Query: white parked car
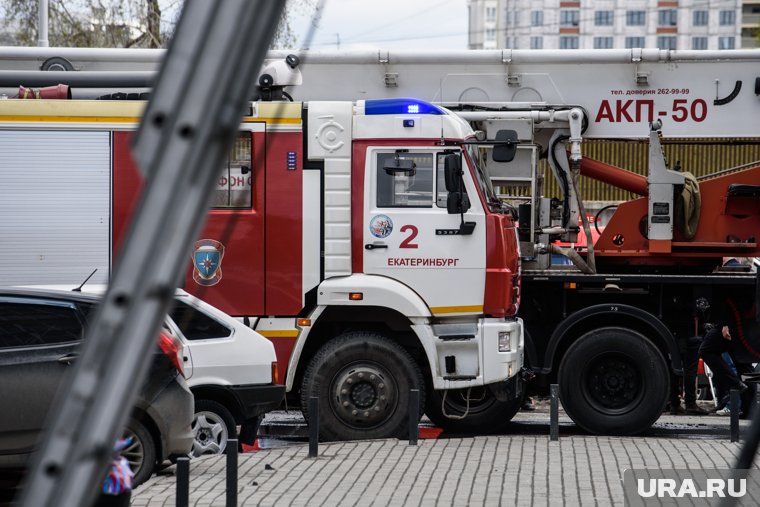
point(230, 369)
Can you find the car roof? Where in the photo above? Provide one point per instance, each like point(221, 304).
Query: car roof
point(68, 295)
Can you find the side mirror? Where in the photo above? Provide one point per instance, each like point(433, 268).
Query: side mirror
point(505, 148)
point(452, 170)
point(457, 203)
point(400, 166)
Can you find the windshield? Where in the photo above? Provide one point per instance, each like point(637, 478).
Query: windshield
point(475, 155)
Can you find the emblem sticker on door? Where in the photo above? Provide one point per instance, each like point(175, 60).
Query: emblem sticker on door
point(381, 226)
point(207, 262)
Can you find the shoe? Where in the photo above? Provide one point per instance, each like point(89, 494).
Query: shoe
point(528, 405)
point(722, 403)
point(677, 409)
point(723, 411)
point(694, 409)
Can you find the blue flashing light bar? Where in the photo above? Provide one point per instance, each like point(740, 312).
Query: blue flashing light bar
point(400, 106)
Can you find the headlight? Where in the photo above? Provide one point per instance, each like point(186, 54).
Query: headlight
point(504, 341)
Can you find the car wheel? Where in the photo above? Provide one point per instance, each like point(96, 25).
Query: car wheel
point(213, 425)
point(613, 381)
point(141, 453)
point(485, 413)
point(362, 380)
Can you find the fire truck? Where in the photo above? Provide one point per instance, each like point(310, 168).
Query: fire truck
point(363, 238)
point(608, 321)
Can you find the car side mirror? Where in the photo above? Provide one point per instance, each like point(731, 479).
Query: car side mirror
point(505, 148)
point(457, 203)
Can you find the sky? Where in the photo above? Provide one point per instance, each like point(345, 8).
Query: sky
point(388, 24)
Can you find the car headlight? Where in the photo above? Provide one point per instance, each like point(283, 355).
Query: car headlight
point(504, 341)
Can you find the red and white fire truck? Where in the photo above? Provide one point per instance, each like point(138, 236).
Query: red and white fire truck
point(363, 238)
point(611, 327)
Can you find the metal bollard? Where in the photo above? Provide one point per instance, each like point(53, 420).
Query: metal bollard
point(554, 412)
point(313, 426)
point(735, 415)
point(232, 468)
point(414, 416)
point(183, 481)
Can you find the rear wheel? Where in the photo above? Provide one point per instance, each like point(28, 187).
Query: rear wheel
point(486, 414)
point(213, 425)
point(362, 380)
point(614, 381)
point(141, 452)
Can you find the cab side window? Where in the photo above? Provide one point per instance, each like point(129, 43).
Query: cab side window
point(405, 189)
point(234, 188)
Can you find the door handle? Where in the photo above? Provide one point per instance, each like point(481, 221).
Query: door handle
point(373, 246)
point(68, 358)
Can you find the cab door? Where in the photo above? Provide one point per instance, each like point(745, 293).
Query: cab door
point(409, 235)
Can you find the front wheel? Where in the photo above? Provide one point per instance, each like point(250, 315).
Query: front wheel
point(485, 414)
point(614, 381)
point(362, 380)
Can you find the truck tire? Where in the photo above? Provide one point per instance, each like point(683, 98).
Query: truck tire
point(613, 381)
point(362, 380)
point(213, 425)
point(486, 414)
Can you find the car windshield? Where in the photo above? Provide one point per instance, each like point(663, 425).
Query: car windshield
point(475, 155)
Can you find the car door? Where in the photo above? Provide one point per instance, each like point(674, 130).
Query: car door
point(38, 341)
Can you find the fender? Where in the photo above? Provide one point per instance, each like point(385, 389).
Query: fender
point(612, 309)
point(376, 291)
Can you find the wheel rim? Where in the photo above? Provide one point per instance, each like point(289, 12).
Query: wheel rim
point(363, 395)
point(613, 384)
point(134, 452)
point(210, 434)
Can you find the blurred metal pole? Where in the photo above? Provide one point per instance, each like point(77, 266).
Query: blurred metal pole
point(187, 129)
point(42, 24)
point(735, 402)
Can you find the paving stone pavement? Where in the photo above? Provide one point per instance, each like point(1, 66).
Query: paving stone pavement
point(488, 470)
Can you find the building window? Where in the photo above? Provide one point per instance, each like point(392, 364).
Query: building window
point(537, 18)
point(516, 19)
point(490, 34)
point(726, 42)
point(701, 18)
point(569, 17)
point(603, 18)
point(536, 43)
point(602, 42)
point(635, 18)
point(634, 42)
point(667, 17)
point(491, 14)
point(666, 42)
point(727, 18)
point(568, 42)
point(699, 43)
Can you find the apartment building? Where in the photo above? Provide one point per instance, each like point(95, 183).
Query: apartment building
point(607, 24)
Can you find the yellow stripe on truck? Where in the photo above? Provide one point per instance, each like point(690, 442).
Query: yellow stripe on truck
point(278, 333)
point(438, 310)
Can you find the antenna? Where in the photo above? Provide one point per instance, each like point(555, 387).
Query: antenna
point(79, 289)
